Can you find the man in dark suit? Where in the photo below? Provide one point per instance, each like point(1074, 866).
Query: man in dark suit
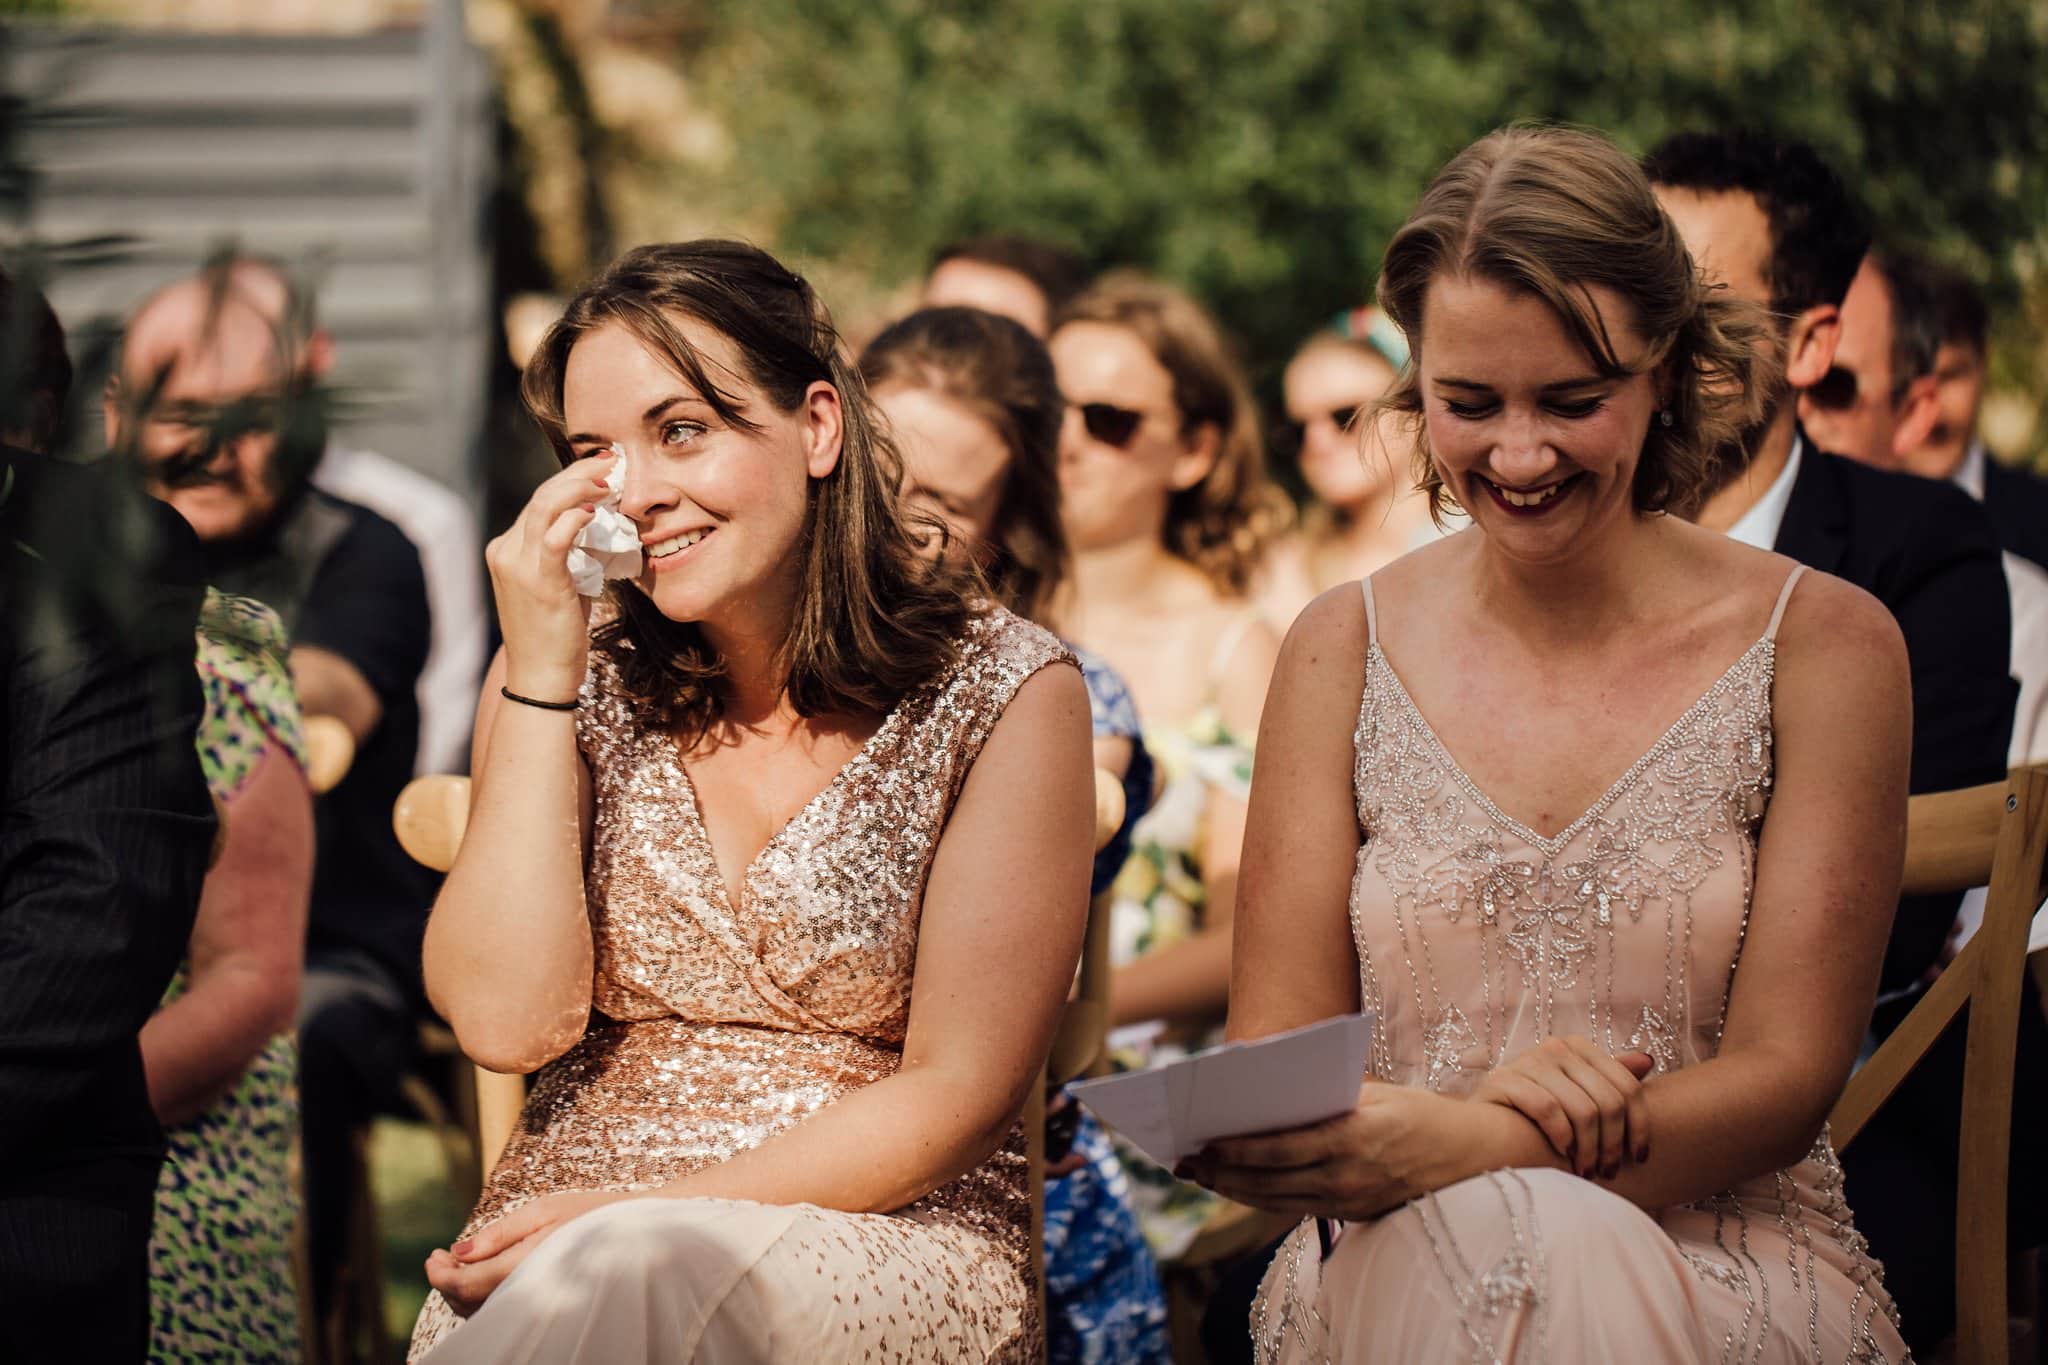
point(1771, 221)
point(105, 831)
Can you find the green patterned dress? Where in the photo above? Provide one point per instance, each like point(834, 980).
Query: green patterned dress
point(220, 1256)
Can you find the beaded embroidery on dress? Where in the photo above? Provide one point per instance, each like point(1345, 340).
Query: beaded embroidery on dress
point(1478, 938)
point(718, 1025)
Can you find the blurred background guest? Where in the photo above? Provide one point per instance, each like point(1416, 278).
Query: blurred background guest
point(206, 398)
point(1881, 402)
point(1020, 278)
point(1364, 511)
point(439, 524)
point(975, 409)
point(1167, 507)
point(105, 831)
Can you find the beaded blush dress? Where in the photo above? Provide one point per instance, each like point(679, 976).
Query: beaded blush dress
point(717, 1026)
point(1478, 938)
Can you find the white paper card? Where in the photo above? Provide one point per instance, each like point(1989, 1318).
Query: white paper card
point(609, 546)
point(1286, 1081)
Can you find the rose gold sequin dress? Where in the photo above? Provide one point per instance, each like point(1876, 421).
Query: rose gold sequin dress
point(717, 1028)
point(1477, 938)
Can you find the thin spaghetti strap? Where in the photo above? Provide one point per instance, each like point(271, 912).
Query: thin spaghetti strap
point(1784, 596)
point(1372, 618)
point(1226, 648)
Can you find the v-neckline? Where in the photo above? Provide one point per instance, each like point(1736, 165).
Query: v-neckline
point(1556, 843)
point(702, 829)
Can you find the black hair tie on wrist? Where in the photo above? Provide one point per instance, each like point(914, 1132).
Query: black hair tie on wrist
point(510, 695)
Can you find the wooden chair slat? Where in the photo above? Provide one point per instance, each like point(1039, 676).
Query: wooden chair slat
point(1950, 839)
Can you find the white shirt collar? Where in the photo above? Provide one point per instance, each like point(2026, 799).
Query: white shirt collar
point(1969, 475)
point(1759, 525)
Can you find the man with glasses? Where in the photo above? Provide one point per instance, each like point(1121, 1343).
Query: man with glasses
point(1770, 220)
point(1882, 403)
point(209, 402)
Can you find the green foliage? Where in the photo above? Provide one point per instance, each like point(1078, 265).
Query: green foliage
point(1263, 153)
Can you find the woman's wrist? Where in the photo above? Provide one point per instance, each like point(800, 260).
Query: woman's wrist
point(1495, 1137)
point(542, 684)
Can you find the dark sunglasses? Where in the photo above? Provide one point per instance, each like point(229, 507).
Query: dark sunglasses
point(1287, 436)
point(1110, 424)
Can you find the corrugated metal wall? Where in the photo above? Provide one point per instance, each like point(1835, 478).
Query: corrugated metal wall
point(366, 159)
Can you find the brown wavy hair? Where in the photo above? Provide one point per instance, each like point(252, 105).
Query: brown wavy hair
point(1003, 374)
point(874, 619)
point(1554, 212)
point(1222, 524)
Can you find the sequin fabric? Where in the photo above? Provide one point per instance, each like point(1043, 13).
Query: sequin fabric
point(718, 1026)
point(1478, 938)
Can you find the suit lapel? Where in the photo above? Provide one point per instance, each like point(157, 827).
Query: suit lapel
point(1815, 530)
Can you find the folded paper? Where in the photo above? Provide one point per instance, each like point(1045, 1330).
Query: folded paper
point(609, 547)
point(1289, 1080)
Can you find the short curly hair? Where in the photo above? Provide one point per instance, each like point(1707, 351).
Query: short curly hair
point(1554, 212)
point(1222, 524)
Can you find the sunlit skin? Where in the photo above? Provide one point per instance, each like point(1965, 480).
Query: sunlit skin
point(190, 353)
point(1729, 237)
point(1865, 429)
point(1156, 619)
point(514, 978)
point(961, 283)
point(1958, 396)
point(1597, 626)
point(954, 460)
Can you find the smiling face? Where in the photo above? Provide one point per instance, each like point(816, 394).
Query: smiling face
point(1113, 491)
point(1325, 386)
point(1526, 433)
point(720, 509)
point(954, 462)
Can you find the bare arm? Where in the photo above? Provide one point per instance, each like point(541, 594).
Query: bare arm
point(999, 936)
point(247, 946)
point(508, 952)
point(1193, 976)
point(329, 685)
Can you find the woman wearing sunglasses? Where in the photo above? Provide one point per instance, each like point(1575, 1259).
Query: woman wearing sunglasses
point(1167, 507)
point(1365, 512)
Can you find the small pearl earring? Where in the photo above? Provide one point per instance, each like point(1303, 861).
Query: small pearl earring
point(1664, 418)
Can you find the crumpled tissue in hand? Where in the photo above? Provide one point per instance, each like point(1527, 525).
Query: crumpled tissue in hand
point(609, 547)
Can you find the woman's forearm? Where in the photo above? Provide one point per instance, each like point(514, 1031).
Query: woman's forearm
point(1712, 1126)
point(876, 1150)
point(1189, 979)
point(195, 1049)
point(508, 954)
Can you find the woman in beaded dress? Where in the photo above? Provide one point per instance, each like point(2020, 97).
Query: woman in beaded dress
point(1618, 973)
point(775, 873)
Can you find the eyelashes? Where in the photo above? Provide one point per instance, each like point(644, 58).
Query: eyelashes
point(1473, 412)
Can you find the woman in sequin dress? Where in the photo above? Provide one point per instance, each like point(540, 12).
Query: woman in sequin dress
point(972, 402)
point(783, 907)
point(1619, 972)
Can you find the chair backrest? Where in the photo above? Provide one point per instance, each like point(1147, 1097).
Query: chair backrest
point(330, 750)
point(1955, 840)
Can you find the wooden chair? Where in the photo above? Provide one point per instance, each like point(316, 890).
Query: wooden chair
point(432, 812)
point(1995, 834)
point(330, 750)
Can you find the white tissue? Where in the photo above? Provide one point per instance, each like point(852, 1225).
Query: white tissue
point(609, 547)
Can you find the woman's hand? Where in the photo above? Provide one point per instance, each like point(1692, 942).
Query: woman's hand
point(1588, 1104)
point(546, 622)
point(471, 1271)
point(1399, 1143)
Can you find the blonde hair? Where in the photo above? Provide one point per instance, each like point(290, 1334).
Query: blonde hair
point(1221, 524)
point(1555, 212)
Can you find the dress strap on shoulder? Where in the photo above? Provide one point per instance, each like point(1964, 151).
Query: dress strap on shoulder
point(1784, 596)
point(1372, 617)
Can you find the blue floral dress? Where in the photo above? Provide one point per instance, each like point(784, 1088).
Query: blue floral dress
point(1104, 1305)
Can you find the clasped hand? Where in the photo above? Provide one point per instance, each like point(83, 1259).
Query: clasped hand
point(1402, 1141)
